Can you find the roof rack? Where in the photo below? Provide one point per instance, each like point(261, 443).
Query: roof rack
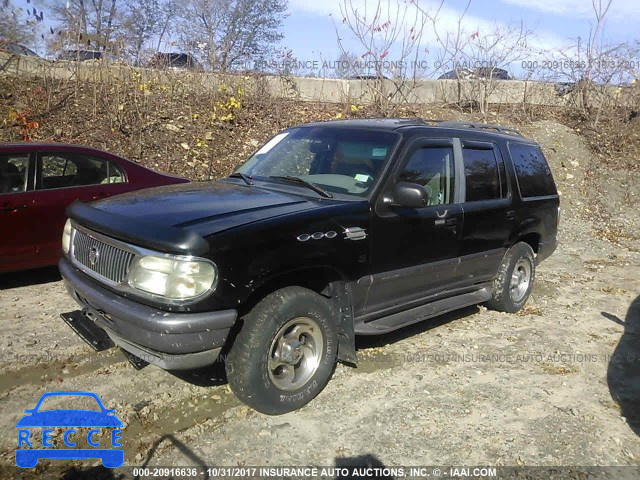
point(482, 126)
point(414, 120)
point(432, 121)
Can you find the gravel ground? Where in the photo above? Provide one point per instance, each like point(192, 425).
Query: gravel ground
point(556, 384)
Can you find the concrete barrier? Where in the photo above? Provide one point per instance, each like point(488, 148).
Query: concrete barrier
point(312, 89)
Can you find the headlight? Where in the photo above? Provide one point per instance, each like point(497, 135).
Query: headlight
point(172, 278)
point(66, 236)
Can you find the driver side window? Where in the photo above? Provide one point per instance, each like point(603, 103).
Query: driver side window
point(432, 168)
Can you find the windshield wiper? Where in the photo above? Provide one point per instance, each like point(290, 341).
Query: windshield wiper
point(244, 177)
point(307, 184)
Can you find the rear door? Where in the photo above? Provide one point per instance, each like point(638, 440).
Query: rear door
point(414, 250)
point(17, 216)
point(489, 217)
point(62, 178)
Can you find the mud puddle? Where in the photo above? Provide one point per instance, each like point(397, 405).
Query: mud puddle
point(58, 370)
point(374, 361)
point(150, 425)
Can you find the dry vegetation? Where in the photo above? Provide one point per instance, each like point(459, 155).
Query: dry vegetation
point(201, 132)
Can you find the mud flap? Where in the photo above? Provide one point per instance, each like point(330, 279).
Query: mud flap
point(346, 335)
point(88, 331)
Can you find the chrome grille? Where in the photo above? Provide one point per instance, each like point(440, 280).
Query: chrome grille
point(106, 260)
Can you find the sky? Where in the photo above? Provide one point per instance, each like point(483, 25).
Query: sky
point(313, 26)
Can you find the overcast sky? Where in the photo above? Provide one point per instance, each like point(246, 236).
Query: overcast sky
point(310, 30)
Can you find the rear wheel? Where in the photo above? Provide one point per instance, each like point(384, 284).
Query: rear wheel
point(512, 286)
point(285, 352)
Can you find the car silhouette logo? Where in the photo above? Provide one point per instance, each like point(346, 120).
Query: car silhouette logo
point(94, 254)
point(69, 420)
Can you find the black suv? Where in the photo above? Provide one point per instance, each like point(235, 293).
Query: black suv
point(328, 231)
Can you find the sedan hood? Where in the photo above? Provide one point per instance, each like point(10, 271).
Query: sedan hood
point(204, 208)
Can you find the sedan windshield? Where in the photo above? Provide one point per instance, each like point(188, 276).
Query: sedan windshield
point(338, 160)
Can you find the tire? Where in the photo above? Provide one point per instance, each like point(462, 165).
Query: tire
point(285, 352)
point(514, 281)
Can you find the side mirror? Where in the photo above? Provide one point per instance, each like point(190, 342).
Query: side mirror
point(409, 195)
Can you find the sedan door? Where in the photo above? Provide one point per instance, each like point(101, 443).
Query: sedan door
point(17, 216)
point(62, 178)
point(415, 250)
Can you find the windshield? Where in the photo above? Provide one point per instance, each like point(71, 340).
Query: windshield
point(339, 160)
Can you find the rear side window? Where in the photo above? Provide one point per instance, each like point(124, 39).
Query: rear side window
point(73, 170)
point(482, 174)
point(532, 171)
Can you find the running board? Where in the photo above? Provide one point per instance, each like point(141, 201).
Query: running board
point(423, 312)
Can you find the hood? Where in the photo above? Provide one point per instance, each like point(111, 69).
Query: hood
point(205, 207)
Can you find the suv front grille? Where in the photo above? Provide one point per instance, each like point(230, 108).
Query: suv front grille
point(105, 260)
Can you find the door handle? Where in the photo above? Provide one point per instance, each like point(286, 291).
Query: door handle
point(511, 214)
point(12, 209)
point(99, 195)
point(449, 224)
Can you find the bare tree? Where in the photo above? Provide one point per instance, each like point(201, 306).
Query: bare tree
point(477, 59)
point(348, 65)
point(390, 33)
point(592, 70)
point(229, 32)
point(448, 45)
point(592, 57)
point(142, 21)
point(166, 21)
point(491, 55)
point(87, 23)
point(18, 23)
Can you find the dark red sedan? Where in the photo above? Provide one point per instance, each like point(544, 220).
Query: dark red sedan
point(38, 181)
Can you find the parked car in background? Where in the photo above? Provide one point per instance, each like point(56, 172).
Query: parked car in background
point(481, 73)
point(365, 76)
point(37, 183)
point(79, 55)
point(178, 61)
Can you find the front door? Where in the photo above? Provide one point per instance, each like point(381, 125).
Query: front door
point(415, 250)
point(17, 219)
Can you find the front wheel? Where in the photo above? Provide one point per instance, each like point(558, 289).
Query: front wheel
point(514, 281)
point(285, 352)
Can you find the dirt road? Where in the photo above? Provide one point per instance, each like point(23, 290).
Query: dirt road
point(557, 384)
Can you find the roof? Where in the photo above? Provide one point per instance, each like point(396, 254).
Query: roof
point(38, 145)
point(30, 147)
point(394, 124)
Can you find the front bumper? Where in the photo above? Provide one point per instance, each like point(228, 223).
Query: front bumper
point(172, 341)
